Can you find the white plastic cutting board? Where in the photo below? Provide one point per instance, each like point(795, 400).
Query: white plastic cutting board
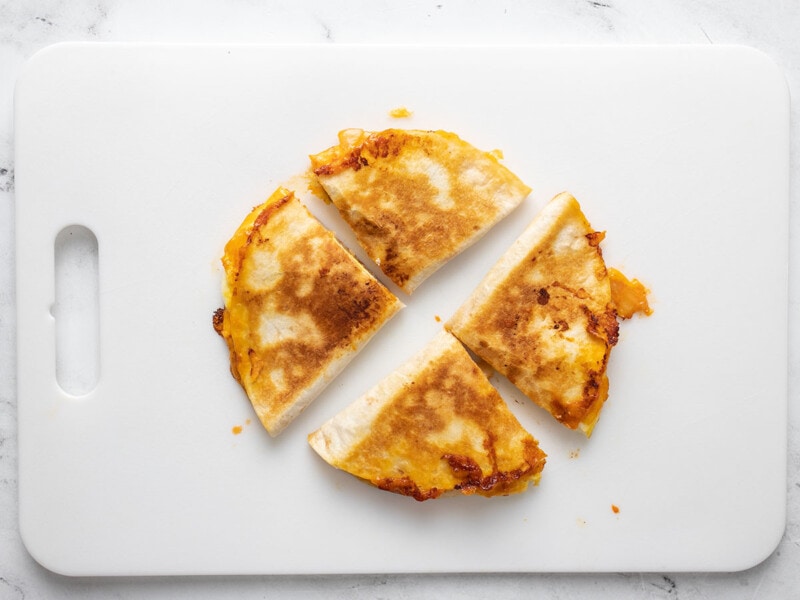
point(679, 153)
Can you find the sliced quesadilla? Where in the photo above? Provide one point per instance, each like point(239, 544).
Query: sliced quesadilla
point(544, 316)
point(433, 426)
point(415, 199)
point(298, 307)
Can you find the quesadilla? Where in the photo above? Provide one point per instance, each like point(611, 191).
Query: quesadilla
point(415, 199)
point(298, 307)
point(544, 316)
point(433, 426)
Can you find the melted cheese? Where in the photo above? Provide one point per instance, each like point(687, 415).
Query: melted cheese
point(414, 198)
point(629, 296)
point(435, 425)
point(543, 316)
point(298, 306)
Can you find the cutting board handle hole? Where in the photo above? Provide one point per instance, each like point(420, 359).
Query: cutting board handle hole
point(76, 310)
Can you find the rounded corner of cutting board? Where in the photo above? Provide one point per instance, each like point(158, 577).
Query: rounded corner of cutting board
point(766, 64)
point(44, 55)
point(38, 548)
point(761, 552)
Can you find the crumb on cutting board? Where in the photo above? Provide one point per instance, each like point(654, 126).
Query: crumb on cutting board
point(237, 429)
point(400, 112)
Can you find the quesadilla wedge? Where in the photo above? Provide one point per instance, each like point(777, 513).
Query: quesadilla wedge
point(415, 199)
point(544, 316)
point(435, 425)
point(298, 307)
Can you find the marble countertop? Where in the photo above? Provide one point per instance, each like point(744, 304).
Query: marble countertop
point(26, 27)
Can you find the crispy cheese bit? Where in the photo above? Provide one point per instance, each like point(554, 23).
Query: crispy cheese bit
point(629, 296)
point(400, 113)
point(236, 429)
point(615, 509)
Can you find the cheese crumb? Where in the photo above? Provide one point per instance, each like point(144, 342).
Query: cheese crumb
point(400, 113)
